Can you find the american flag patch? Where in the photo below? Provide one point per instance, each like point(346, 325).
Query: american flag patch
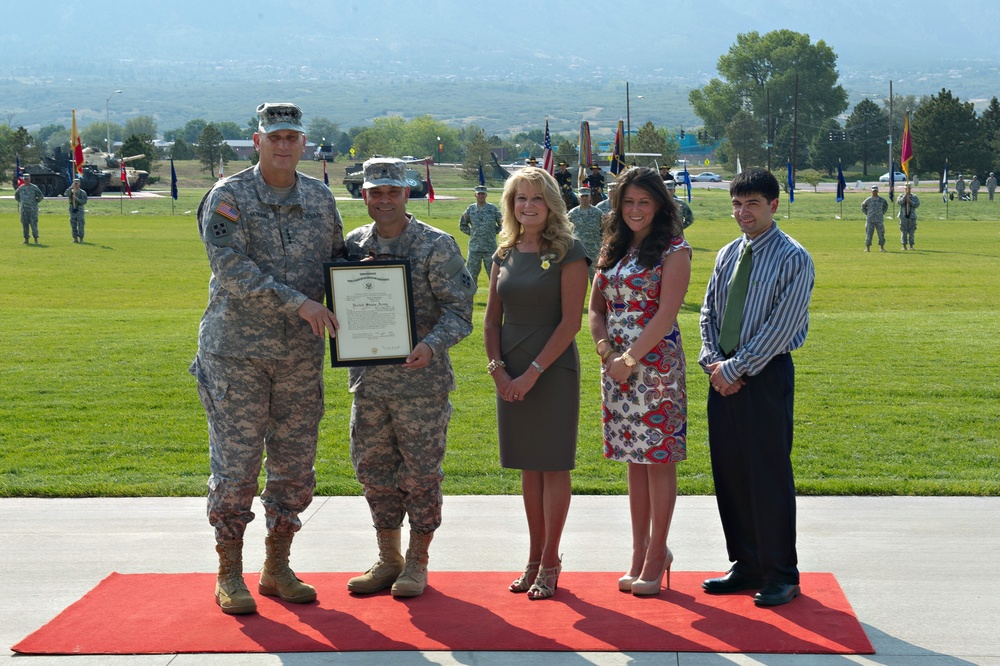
point(227, 211)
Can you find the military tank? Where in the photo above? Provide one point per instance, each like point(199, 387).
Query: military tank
point(52, 176)
point(355, 178)
point(112, 166)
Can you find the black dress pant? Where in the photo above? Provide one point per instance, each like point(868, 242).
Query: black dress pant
point(750, 437)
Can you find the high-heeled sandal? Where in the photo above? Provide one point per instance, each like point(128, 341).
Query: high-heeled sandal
point(545, 583)
point(523, 584)
point(646, 588)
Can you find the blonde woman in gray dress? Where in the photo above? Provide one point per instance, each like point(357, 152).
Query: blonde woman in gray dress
point(537, 287)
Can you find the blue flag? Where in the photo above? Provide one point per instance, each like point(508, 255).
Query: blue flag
point(841, 183)
point(791, 183)
point(687, 181)
point(173, 180)
point(892, 179)
point(482, 178)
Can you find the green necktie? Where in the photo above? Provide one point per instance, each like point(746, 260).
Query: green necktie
point(732, 319)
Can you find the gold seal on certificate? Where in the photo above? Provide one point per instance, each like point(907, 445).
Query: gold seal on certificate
point(373, 303)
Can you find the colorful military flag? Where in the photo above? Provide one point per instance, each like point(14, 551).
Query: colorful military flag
point(618, 157)
point(841, 183)
point(686, 178)
point(482, 177)
point(326, 176)
point(944, 179)
point(17, 171)
point(906, 150)
point(586, 152)
point(791, 182)
point(173, 180)
point(547, 157)
point(125, 186)
point(430, 188)
point(76, 147)
point(892, 179)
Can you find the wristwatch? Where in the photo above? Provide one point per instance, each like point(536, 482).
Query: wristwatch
point(628, 360)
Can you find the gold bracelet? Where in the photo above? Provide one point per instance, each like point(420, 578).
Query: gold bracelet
point(492, 366)
point(598, 345)
point(606, 355)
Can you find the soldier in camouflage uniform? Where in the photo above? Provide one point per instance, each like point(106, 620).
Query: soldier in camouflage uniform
point(77, 201)
point(400, 415)
point(267, 231)
point(960, 187)
point(683, 209)
point(28, 196)
point(908, 204)
point(974, 188)
point(481, 221)
point(587, 227)
point(605, 206)
point(991, 185)
point(874, 208)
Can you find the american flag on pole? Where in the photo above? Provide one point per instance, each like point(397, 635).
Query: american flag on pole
point(547, 157)
point(17, 170)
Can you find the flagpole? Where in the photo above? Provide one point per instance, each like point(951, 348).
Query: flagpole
point(892, 167)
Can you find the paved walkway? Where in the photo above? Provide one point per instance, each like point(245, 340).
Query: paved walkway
point(919, 572)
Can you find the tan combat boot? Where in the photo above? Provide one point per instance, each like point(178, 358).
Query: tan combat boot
point(276, 578)
point(231, 592)
point(413, 580)
point(384, 572)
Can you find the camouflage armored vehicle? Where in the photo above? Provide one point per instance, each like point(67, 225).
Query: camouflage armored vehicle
point(355, 178)
point(112, 166)
point(52, 177)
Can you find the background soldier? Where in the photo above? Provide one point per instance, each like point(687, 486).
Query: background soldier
point(991, 185)
point(960, 187)
point(974, 188)
point(687, 215)
point(908, 204)
point(77, 201)
point(565, 180)
point(481, 221)
point(400, 415)
point(605, 206)
point(267, 231)
point(28, 196)
point(595, 181)
point(587, 227)
point(874, 208)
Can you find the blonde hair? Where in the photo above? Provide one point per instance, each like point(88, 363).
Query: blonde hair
point(557, 236)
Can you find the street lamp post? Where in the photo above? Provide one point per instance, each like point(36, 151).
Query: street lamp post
point(107, 120)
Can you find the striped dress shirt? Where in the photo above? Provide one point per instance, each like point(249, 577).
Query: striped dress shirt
point(776, 313)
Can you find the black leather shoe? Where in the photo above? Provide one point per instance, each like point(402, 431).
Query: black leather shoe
point(776, 594)
point(731, 582)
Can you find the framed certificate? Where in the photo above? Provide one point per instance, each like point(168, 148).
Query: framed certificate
point(373, 303)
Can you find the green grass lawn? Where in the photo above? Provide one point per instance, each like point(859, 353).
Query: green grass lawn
point(898, 383)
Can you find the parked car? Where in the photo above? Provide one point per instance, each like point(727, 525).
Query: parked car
point(899, 177)
point(706, 177)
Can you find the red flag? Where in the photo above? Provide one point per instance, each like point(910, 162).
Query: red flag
point(326, 177)
point(430, 188)
point(906, 152)
point(125, 185)
point(547, 157)
point(76, 147)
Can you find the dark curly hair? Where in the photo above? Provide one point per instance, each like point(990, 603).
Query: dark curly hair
point(618, 236)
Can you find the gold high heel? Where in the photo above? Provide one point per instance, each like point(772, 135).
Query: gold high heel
point(523, 584)
point(545, 583)
point(645, 588)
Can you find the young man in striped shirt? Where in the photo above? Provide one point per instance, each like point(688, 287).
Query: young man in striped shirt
point(746, 352)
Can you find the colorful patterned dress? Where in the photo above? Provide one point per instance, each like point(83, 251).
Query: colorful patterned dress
point(645, 419)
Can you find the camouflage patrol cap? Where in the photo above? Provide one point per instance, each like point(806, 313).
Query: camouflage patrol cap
point(385, 171)
point(25, 176)
point(481, 189)
point(274, 116)
point(584, 192)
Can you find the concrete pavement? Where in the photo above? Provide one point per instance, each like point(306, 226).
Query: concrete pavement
point(917, 570)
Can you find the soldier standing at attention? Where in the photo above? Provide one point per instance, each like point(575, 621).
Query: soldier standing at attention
point(908, 204)
point(687, 215)
point(596, 183)
point(991, 185)
point(587, 227)
point(605, 206)
point(77, 201)
point(960, 187)
point(267, 231)
point(974, 188)
point(28, 196)
point(481, 221)
point(874, 208)
point(400, 415)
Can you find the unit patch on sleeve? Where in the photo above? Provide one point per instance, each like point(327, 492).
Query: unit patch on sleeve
point(222, 224)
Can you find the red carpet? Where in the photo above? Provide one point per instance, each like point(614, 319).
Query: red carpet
point(176, 613)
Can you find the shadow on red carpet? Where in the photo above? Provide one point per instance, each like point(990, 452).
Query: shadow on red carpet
point(176, 613)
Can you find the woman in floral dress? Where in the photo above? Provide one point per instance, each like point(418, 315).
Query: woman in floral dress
point(642, 276)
